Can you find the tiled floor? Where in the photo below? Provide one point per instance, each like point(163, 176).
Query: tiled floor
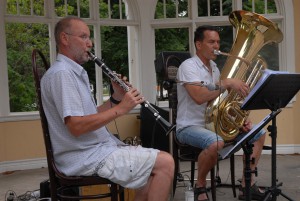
point(287, 170)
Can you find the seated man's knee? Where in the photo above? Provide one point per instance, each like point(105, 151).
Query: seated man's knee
point(166, 162)
point(216, 145)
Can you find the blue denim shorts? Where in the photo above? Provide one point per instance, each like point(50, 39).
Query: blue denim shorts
point(198, 136)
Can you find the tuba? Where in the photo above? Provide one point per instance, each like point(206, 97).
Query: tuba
point(253, 31)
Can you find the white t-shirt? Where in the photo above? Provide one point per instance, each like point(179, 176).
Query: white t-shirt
point(188, 111)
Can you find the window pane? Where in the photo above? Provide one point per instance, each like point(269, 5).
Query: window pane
point(72, 8)
point(183, 8)
point(272, 6)
point(84, 8)
point(171, 9)
point(76, 8)
point(215, 8)
point(60, 8)
point(270, 53)
point(247, 5)
point(177, 40)
point(159, 11)
point(202, 8)
point(11, 7)
point(226, 37)
point(112, 9)
point(260, 6)
point(21, 38)
point(118, 10)
point(114, 51)
point(227, 7)
point(90, 66)
point(24, 7)
point(104, 11)
point(38, 8)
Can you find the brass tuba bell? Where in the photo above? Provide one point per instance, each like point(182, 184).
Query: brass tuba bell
point(253, 31)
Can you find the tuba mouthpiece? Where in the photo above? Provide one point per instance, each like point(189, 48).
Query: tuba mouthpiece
point(217, 52)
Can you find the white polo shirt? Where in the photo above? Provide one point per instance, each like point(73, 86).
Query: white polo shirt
point(188, 111)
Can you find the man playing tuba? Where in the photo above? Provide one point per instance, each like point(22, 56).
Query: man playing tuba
point(192, 103)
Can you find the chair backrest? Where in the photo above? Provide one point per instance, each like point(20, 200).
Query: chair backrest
point(39, 67)
point(60, 184)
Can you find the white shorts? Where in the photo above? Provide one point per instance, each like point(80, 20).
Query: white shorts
point(129, 166)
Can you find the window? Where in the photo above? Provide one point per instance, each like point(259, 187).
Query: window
point(21, 38)
point(27, 26)
point(144, 30)
point(212, 12)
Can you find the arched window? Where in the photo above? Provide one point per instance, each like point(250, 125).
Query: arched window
point(127, 35)
point(177, 20)
point(30, 24)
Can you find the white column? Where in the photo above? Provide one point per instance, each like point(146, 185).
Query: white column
point(4, 97)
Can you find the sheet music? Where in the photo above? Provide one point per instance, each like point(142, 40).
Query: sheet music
point(227, 151)
point(265, 75)
point(231, 149)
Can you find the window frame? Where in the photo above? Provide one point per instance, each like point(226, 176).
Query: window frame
point(141, 25)
point(50, 19)
point(284, 18)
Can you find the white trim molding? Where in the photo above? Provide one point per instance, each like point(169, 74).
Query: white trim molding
point(280, 149)
point(28, 164)
point(36, 163)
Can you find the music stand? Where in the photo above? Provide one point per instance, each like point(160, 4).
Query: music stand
point(274, 92)
point(247, 147)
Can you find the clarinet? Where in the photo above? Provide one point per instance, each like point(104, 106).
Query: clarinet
point(112, 75)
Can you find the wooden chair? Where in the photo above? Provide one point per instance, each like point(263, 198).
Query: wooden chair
point(183, 152)
point(60, 184)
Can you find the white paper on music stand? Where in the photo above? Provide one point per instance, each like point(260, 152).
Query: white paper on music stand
point(265, 75)
point(227, 151)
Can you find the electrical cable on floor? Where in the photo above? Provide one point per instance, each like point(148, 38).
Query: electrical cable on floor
point(184, 181)
point(27, 196)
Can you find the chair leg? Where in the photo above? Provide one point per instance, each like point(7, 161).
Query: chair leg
point(192, 173)
point(232, 171)
point(114, 192)
point(53, 190)
point(213, 184)
point(121, 194)
point(176, 171)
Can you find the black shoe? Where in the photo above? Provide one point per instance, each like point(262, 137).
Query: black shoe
point(198, 191)
point(256, 194)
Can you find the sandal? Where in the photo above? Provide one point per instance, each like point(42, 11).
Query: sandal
point(198, 191)
point(256, 194)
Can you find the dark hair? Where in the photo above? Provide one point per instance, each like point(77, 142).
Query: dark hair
point(199, 33)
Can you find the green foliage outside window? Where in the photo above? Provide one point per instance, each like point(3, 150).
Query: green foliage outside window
point(21, 39)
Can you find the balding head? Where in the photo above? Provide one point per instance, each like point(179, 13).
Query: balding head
point(64, 25)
